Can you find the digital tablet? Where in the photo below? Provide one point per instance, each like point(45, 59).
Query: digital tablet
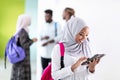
point(96, 56)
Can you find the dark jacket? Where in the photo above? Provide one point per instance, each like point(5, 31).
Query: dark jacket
point(22, 70)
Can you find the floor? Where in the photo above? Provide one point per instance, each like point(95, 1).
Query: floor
point(5, 73)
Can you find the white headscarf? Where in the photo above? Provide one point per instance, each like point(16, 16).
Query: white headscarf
point(23, 22)
point(73, 27)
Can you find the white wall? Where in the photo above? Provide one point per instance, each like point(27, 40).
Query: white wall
point(103, 17)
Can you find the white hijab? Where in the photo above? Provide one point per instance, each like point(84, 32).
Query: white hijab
point(23, 22)
point(73, 27)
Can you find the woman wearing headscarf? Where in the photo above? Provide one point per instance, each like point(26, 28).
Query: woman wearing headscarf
point(22, 70)
point(77, 50)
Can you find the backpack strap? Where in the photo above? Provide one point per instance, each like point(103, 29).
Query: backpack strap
point(62, 49)
point(5, 59)
point(55, 29)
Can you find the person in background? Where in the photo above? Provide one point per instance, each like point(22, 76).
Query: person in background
point(68, 13)
point(49, 36)
point(22, 70)
point(77, 50)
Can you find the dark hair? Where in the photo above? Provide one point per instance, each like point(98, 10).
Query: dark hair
point(70, 11)
point(49, 11)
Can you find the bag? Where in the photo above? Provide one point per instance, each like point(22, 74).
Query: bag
point(47, 72)
point(15, 53)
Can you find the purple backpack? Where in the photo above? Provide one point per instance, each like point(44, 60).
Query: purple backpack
point(47, 72)
point(14, 52)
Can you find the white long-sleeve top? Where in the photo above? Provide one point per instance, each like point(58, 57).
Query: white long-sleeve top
point(48, 29)
point(81, 73)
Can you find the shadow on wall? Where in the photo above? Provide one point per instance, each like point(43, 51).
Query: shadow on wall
point(9, 11)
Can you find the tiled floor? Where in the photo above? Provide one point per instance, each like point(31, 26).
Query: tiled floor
point(5, 73)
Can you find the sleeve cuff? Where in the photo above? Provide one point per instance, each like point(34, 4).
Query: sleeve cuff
point(89, 71)
point(70, 71)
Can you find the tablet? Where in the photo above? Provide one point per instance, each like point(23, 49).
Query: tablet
point(99, 56)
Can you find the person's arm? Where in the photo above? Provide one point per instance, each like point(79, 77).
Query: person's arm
point(57, 38)
point(87, 70)
point(58, 73)
point(42, 35)
point(24, 39)
point(92, 65)
point(43, 38)
point(84, 70)
point(48, 42)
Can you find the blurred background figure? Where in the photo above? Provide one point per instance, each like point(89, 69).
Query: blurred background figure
point(67, 13)
point(49, 36)
point(8, 28)
point(22, 70)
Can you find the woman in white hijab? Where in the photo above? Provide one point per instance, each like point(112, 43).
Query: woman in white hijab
point(22, 70)
point(77, 50)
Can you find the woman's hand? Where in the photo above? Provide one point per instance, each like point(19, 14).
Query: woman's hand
point(91, 65)
point(34, 39)
point(78, 63)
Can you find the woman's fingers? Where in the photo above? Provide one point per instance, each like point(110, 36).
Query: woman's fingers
point(82, 59)
point(94, 62)
point(78, 63)
point(98, 60)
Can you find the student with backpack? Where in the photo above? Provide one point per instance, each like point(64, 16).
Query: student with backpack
point(76, 51)
point(21, 70)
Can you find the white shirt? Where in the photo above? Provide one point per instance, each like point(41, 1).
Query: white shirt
point(81, 73)
point(48, 29)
